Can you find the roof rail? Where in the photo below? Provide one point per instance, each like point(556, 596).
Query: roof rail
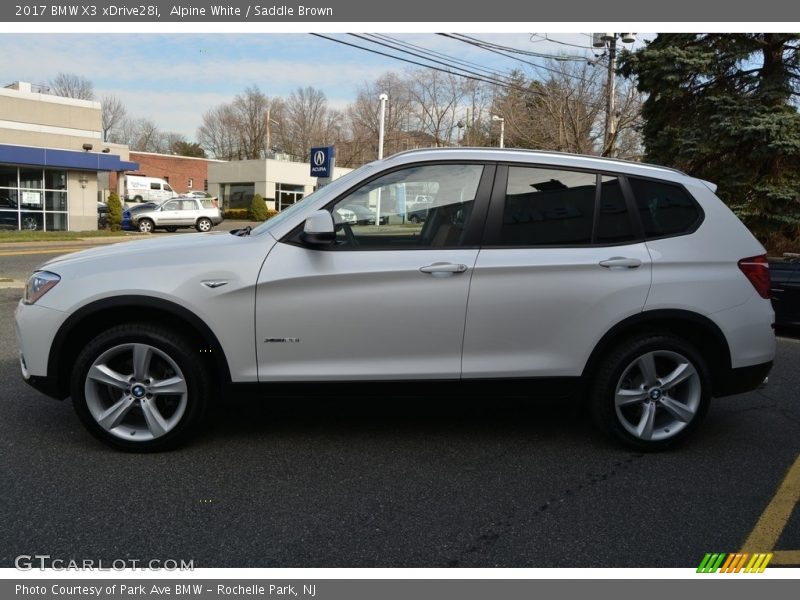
point(539, 153)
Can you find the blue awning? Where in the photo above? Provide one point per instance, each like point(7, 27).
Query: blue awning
point(64, 159)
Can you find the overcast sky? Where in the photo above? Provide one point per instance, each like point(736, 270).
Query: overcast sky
point(174, 78)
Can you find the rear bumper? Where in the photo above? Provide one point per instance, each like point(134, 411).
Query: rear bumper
point(743, 379)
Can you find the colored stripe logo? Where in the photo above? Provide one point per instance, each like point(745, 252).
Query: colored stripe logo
point(743, 562)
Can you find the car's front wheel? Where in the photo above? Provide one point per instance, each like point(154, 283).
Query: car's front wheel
point(204, 224)
point(140, 388)
point(651, 391)
point(146, 226)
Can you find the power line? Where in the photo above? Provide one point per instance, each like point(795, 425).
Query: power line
point(427, 66)
point(547, 38)
point(459, 71)
point(480, 44)
point(434, 53)
point(495, 77)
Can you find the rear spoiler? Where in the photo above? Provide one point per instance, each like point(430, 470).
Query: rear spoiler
point(709, 185)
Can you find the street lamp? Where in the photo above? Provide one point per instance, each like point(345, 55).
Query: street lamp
point(383, 98)
point(269, 120)
point(502, 129)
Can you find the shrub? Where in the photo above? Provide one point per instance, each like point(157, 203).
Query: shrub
point(114, 212)
point(258, 210)
point(237, 213)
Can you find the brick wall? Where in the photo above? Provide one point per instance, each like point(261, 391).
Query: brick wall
point(178, 170)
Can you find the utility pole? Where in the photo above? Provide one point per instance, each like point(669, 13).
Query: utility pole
point(611, 98)
point(609, 41)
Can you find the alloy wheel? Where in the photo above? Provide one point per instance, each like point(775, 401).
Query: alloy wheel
point(658, 395)
point(136, 392)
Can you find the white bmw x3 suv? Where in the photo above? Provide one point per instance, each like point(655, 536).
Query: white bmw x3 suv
point(627, 285)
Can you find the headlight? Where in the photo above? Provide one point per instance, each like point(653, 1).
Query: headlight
point(38, 285)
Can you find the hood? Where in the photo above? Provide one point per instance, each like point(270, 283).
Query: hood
point(203, 243)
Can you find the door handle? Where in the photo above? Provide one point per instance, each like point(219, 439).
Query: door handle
point(443, 269)
point(620, 262)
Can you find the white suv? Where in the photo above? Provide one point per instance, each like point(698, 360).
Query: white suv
point(627, 285)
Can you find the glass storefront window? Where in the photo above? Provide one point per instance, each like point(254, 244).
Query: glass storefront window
point(287, 194)
point(30, 178)
point(30, 221)
point(32, 199)
point(55, 179)
point(56, 221)
point(55, 201)
point(8, 176)
point(238, 195)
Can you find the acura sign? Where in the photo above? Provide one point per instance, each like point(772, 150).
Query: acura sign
point(321, 162)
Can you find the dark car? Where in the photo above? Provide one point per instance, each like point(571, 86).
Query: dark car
point(128, 214)
point(102, 215)
point(785, 291)
point(11, 219)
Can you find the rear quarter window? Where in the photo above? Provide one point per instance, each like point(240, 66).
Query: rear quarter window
point(665, 209)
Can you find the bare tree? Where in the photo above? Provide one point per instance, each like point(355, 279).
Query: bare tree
point(306, 122)
point(71, 85)
point(113, 112)
point(219, 133)
point(437, 97)
point(240, 129)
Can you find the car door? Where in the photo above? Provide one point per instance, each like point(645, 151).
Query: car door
point(189, 212)
point(562, 261)
point(386, 301)
point(169, 213)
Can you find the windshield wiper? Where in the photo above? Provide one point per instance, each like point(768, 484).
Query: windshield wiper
point(242, 232)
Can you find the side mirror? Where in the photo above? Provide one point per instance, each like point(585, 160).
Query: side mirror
point(318, 229)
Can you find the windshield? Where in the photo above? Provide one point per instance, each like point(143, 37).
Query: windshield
point(336, 186)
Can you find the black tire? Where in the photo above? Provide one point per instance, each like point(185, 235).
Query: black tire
point(138, 199)
point(666, 430)
point(171, 229)
point(90, 397)
point(146, 226)
point(204, 224)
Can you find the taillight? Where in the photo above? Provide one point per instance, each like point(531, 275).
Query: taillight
point(756, 269)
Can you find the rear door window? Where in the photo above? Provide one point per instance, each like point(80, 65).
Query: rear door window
point(548, 207)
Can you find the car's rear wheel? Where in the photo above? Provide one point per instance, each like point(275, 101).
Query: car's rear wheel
point(171, 229)
point(140, 388)
point(204, 224)
point(651, 392)
point(146, 226)
point(138, 199)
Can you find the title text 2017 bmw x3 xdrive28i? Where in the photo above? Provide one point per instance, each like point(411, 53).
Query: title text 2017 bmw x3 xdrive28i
point(629, 284)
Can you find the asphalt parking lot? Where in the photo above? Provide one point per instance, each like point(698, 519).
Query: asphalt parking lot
point(397, 481)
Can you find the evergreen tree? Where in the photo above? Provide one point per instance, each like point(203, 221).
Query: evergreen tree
point(258, 209)
point(114, 211)
point(723, 107)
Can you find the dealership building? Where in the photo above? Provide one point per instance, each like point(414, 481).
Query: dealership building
point(51, 152)
point(280, 182)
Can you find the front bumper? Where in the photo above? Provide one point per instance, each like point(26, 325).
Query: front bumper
point(35, 328)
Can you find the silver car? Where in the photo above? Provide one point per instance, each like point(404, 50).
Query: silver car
point(178, 212)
